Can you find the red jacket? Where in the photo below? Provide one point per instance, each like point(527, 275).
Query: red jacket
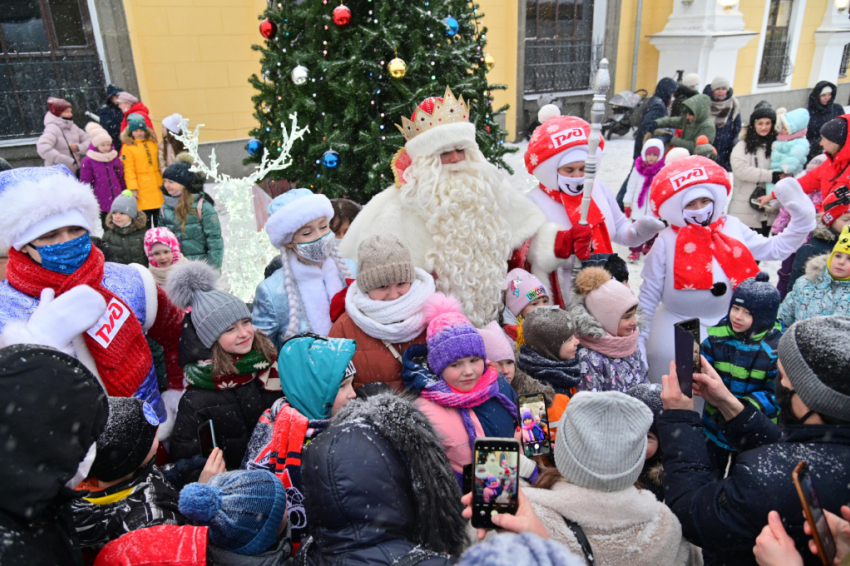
point(138, 108)
point(832, 173)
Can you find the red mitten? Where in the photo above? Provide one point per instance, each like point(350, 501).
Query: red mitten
point(628, 212)
point(582, 239)
point(338, 302)
point(564, 244)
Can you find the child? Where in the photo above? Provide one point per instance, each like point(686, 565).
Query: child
point(125, 230)
point(742, 349)
point(835, 216)
point(316, 385)
point(62, 142)
point(141, 167)
point(790, 151)
point(607, 319)
point(462, 397)
point(825, 289)
point(524, 293)
point(345, 211)
point(188, 212)
point(297, 298)
point(652, 475)
point(102, 169)
point(549, 352)
point(649, 163)
point(246, 515)
point(230, 368)
point(163, 252)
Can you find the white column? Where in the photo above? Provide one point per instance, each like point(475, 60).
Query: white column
point(830, 39)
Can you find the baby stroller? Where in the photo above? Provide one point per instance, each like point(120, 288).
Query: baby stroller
point(625, 106)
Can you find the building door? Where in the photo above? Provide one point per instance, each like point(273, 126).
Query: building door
point(775, 63)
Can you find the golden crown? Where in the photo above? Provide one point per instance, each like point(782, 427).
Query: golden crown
point(450, 110)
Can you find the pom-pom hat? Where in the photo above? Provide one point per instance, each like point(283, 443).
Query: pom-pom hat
point(97, 134)
point(125, 203)
point(761, 298)
point(550, 141)
point(292, 210)
point(450, 336)
point(606, 298)
point(666, 197)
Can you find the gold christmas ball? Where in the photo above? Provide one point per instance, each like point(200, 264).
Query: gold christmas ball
point(490, 61)
point(397, 68)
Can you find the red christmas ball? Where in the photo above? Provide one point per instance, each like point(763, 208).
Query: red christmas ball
point(268, 29)
point(342, 15)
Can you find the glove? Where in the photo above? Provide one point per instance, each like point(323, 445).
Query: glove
point(56, 322)
point(582, 239)
point(564, 244)
point(171, 399)
point(777, 175)
point(628, 211)
point(789, 192)
point(647, 226)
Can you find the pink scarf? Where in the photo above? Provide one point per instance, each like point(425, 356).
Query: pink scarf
point(612, 346)
point(648, 173)
point(102, 157)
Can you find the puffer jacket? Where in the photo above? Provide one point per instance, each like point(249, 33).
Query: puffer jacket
point(126, 243)
point(141, 170)
point(832, 173)
point(54, 144)
point(727, 136)
point(816, 294)
point(200, 238)
point(791, 149)
point(169, 149)
point(655, 109)
point(111, 116)
point(139, 108)
point(822, 241)
point(749, 171)
point(106, 179)
point(820, 115)
point(703, 125)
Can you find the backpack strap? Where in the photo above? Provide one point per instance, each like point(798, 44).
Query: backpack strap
point(200, 208)
point(581, 538)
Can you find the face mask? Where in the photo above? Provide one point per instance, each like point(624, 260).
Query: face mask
point(316, 251)
point(66, 257)
point(84, 468)
point(69, 119)
point(571, 185)
point(701, 216)
point(783, 401)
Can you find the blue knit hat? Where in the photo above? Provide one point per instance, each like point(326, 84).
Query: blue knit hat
point(761, 298)
point(243, 509)
point(526, 549)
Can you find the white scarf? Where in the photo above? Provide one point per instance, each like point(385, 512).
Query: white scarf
point(317, 286)
point(395, 321)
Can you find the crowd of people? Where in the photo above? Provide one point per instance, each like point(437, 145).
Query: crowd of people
point(154, 418)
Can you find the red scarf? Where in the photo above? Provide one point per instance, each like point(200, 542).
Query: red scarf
point(595, 218)
point(120, 351)
point(695, 247)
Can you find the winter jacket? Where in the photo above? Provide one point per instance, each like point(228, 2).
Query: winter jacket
point(725, 516)
point(374, 360)
point(634, 187)
point(280, 554)
point(106, 179)
point(165, 545)
point(816, 294)
point(822, 241)
point(139, 108)
point(789, 156)
point(362, 497)
point(54, 145)
point(127, 243)
point(747, 366)
point(145, 500)
point(727, 136)
point(200, 238)
point(111, 116)
point(655, 109)
point(562, 375)
point(703, 125)
point(623, 527)
point(169, 149)
point(832, 173)
point(749, 171)
point(820, 115)
point(680, 95)
point(141, 171)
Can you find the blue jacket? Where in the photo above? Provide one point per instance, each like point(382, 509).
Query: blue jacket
point(816, 294)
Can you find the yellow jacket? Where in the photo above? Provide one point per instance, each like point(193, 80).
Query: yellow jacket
point(141, 172)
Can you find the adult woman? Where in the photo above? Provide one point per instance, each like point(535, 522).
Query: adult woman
point(822, 108)
point(727, 118)
point(62, 142)
point(750, 162)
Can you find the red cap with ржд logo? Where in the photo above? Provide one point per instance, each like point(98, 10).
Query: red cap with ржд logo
point(683, 174)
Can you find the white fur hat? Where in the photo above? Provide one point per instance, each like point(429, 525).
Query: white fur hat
point(292, 210)
point(36, 200)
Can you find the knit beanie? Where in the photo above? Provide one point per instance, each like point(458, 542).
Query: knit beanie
point(546, 329)
point(381, 260)
point(522, 289)
point(607, 299)
point(691, 80)
point(650, 395)
point(601, 442)
point(192, 283)
point(841, 246)
point(127, 98)
point(57, 105)
point(450, 335)
point(97, 134)
point(496, 343)
point(180, 172)
point(126, 440)
point(613, 264)
point(292, 210)
point(815, 358)
point(763, 112)
point(835, 131)
point(652, 146)
point(161, 235)
point(526, 549)
point(759, 296)
point(836, 204)
point(243, 509)
point(136, 122)
point(720, 82)
point(126, 204)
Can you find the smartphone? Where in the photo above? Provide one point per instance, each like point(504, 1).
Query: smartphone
point(495, 481)
point(814, 513)
point(688, 361)
point(206, 437)
point(534, 425)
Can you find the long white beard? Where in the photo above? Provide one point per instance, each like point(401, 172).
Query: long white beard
point(463, 209)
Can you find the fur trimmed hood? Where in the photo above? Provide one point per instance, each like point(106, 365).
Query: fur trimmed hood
point(823, 232)
point(137, 223)
point(816, 267)
point(587, 325)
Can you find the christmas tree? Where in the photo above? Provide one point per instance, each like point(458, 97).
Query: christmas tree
point(352, 71)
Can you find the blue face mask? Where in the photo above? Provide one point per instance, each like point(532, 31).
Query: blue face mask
point(66, 257)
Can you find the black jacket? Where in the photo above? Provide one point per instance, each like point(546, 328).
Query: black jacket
point(820, 115)
point(111, 116)
point(822, 241)
point(655, 109)
point(679, 97)
point(724, 517)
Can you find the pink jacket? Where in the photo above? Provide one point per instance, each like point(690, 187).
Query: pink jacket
point(53, 145)
point(449, 426)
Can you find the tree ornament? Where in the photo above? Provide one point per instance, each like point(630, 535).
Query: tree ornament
point(254, 147)
point(397, 68)
point(490, 61)
point(330, 159)
point(268, 29)
point(342, 15)
point(300, 74)
point(452, 26)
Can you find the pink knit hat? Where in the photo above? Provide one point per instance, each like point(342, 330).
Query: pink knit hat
point(161, 236)
point(496, 343)
point(522, 288)
point(607, 299)
point(97, 134)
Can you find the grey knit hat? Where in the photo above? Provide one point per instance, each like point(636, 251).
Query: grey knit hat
point(381, 260)
point(815, 358)
point(126, 204)
point(601, 442)
point(546, 328)
point(192, 283)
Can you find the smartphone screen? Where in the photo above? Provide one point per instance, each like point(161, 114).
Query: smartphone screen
point(206, 437)
point(495, 481)
point(814, 513)
point(534, 425)
point(688, 362)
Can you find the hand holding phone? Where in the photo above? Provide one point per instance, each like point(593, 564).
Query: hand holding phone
point(813, 510)
point(495, 479)
point(688, 360)
point(534, 425)
point(206, 438)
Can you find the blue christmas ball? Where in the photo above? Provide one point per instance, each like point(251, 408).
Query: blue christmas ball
point(330, 159)
point(452, 26)
point(254, 147)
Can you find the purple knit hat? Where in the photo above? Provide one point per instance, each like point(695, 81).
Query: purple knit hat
point(451, 336)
